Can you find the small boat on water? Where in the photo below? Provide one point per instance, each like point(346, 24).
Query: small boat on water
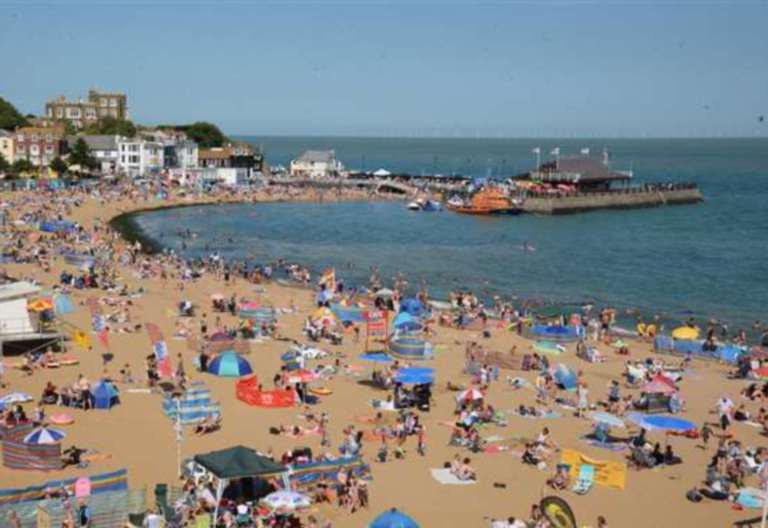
point(425, 205)
point(488, 201)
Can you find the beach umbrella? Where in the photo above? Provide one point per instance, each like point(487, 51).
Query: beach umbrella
point(13, 398)
point(661, 423)
point(659, 385)
point(471, 394)
point(376, 357)
point(393, 519)
point(229, 364)
point(217, 297)
point(686, 333)
point(220, 336)
point(761, 373)
point(286, 501)
point(414, 379)
point(412, 306)
point(416, 371)
point(40, 305)
point(44, 435)
point(384, 293)
point(406, 322)
point(301, 376)
point(606, 418)
point(324, 317)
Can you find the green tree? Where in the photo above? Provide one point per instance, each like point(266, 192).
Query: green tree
point(206, 135)
point(21, 166)
point(10, 118)
point(112, 126)
point(58, 166)
point(4, 165)
point(81, 155)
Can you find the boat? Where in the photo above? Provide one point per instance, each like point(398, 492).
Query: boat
point(425, 205)
point(488, 201)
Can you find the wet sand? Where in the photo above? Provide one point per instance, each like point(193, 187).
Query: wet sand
point(140, 438)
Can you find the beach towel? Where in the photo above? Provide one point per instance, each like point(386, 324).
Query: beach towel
point(545, 416)
point(494, 449)
point(610, 446)
point(383, 405)
point(444, 476)
point(585, 480)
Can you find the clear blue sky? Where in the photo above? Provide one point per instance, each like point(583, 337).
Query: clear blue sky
point(460, 68)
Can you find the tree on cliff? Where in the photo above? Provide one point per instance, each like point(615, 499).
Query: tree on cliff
point(10, 118)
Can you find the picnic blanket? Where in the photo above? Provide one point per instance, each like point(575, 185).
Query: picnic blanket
point(607, 473)
point(444, 476)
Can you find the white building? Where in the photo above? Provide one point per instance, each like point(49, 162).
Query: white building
point(317, 164)
point(139, 157)
point(183, 154)
point(103, 148)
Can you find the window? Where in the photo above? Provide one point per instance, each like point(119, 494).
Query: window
point(21, 148)
point(35, 138)
point(59, 113)
point(122, 158)
point(20, 137)
point(113, 103)
point(49, 149)
point(103, 101)
point(49, 138)
point(34, 150)
point(49, 111)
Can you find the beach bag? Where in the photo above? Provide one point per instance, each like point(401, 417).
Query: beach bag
point(694, 495)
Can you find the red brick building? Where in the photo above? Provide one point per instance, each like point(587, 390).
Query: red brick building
point(39, 145)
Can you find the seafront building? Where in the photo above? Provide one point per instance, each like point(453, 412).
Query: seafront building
point(7, 146)
point(139, 157)
point(234, 156)
point(317, 164)
point(82, 113)
point(38, 145)
point(103, 148)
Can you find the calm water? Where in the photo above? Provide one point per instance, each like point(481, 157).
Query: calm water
point(702, 260)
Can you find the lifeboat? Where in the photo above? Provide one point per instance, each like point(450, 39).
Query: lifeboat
point(486, 202)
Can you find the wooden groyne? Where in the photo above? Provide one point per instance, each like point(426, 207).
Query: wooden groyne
point(623, 199)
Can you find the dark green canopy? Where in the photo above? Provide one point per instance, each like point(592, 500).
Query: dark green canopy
point(238, 462)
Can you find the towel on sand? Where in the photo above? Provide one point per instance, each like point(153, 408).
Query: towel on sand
point(444, 476)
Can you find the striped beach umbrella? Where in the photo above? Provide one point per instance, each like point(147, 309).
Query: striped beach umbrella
point(471, 394)
point(286, 501)
point(229, 364)
point(44, 435)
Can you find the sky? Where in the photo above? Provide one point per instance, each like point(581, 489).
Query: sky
point(461, 68)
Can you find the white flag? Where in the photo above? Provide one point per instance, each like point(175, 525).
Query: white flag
point(585, 151)
point(537, 150)
point(555, 151)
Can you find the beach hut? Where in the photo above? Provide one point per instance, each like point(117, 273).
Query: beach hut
point(229, 364)
point(105, 395)
point(410, 348)
point(393, 519)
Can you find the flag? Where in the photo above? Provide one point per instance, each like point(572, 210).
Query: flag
point(585, 151)
point(555, 151)
point(536, 150)
point(104, 337)
point(328, 278)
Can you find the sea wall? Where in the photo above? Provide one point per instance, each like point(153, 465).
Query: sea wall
point(613, 200)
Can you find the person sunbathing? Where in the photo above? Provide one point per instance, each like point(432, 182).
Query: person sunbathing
point(208, 425)
point(561, 479)
point(465, 471)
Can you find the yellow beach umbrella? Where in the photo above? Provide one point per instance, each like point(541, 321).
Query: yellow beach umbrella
point(40, 305)
point(686, 332)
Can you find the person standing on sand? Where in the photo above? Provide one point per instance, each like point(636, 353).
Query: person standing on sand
point(583, 399)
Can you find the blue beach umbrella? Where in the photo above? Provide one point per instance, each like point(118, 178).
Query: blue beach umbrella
point(44, 436)
point(412, 306)
point(661, 422)
point(13, 398)
point(406, 322)
point(229, 364)
point(416, 371)
point(393, 519)
point(414, 379)
point(62, 304)
point(376, 357)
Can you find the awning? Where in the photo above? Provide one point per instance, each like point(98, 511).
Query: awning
point(239, 462)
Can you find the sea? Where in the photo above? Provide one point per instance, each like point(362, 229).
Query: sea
point(708, 260)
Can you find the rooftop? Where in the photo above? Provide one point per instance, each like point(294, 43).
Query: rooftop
point(318, 156)
point(100, 142)
point(578, 169)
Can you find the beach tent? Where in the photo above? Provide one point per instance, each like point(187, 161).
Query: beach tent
point(412, 306)
point(393, 519)
point(62, 304)
point(410, 348)
point(565, 377)
point(194, 406)
point(325, 317)
point(229, 364)
point(105, 395)
point(405, 322)
point(236, 463)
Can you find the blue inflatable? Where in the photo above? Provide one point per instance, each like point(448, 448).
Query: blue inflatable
point(557, 333)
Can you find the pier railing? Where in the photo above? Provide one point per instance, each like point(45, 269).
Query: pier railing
point(636, 189)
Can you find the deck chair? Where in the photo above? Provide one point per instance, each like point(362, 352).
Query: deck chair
point(585, 480)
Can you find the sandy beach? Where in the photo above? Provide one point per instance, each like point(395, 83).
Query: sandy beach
point(136, 435)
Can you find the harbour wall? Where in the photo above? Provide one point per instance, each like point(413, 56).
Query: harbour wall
point(610, 200)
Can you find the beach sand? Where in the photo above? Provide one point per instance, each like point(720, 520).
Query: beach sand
point(137, 436)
